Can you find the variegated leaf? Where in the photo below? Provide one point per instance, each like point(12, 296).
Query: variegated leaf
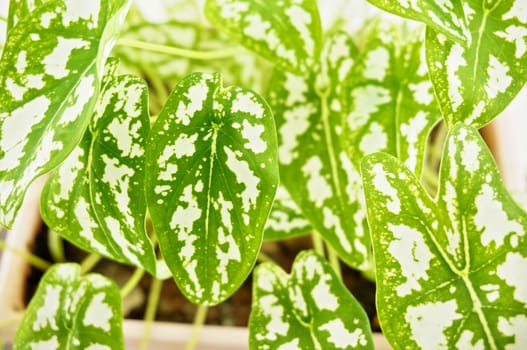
point(391, 99)
point(49, 80)
point(72, 312)
point(475, 83)
point(314, 167)
point(18, 9)
point(288, 32)
point(445, 16)
point(311, 309)
point(212, 174)
point(286, 219)
point(96, 199)
point(450, 273)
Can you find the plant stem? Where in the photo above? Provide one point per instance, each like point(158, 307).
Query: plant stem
point(3, 19)
point(56, 246)
point(334, 261)
point(176, 51)
point(199, 321)
point(150, 313)
point(262, 257)
point(33, 260)
point(89, 262)
point(318, 243)
point(132, 282)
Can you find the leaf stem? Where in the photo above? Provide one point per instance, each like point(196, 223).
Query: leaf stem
point(150, 313)
point(56, 246)
point(176, 51)
point(89, 262)
point(334, 261)
point(132, 282)
point(199, 321)
point(33, 260)
point(3, 19)
point(262, 257)
point(318, 243)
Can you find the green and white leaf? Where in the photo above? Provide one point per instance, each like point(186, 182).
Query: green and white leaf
point(69, 311)
point(310, 309)
point(212, 174)
point(450, 273)
point(314, 167)
point(49, 80)
point(96, 198)
point(288, 32)
point(445, 16)
point(391, 99)
point(475, 83)
point(286, 219)
point(18, 9)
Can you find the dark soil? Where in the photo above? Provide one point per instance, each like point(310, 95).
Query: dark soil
point(173, 306)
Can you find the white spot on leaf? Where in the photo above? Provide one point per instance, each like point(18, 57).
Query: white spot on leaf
point(498, 80)
point(46, 315)
point(492, 219)
point(98, 314)
point(366, 102)
point(454, 62)
point(375, 140)
point(253, 134)
point(244, 175)
point(382, 184)
point(413, 255)
point(341, 337)
point(55, 63)
point(429, 322)
point(512, 272)
point(318, 188)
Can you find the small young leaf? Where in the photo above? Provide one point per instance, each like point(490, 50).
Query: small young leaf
point(311, 309)
point(288, 32)
point(286, 219)
point(72, 312)
point(475, 83)
point(49, 80)
point(443, 266)
point(96, 198)
point(446, 16)
point(212, 173)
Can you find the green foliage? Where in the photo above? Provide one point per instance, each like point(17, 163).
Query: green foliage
point(204, 167)
point(212, 173)
point(449, 272)
point(69, 311)
point(49, 84)
point(310, 309)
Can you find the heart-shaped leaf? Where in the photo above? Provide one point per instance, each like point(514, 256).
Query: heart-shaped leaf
point(475, 83)
point(96, 199)
point(287, 32)
point(446, 16)
point(311, 309)
point(391, 99)
point(49, 80)
point(450, 273)
point(72, 312)
point(286, 219)
point(212, 173)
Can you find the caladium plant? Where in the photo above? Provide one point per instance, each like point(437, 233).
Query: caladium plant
point(189, 185)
